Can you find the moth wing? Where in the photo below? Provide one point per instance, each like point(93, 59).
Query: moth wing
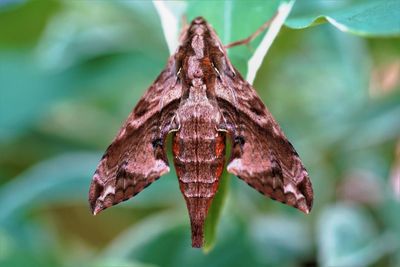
point(136, 157)
point(261, 154)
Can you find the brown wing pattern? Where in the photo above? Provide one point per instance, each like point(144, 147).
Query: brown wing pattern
point(261, 154)
point(136, 157)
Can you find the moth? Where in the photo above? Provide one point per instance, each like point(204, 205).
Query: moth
point(201, 99)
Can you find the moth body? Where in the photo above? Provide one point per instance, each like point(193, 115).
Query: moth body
point(198, 146)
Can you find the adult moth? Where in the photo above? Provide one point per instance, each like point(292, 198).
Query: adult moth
point(200, 98)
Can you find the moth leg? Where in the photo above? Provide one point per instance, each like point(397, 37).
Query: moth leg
point(164, 129)
point(175, 124)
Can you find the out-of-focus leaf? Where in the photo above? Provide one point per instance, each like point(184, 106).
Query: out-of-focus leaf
point(140, 234)
point(362, 17)
point(389, 212)
point(376, 123)
point(120, 263)
point(395, 174)
point(24, 92)
point(86, 30)
point(77, 56)
point(32, 19)
point(64, 177)
point(27, 245)
point(5, 245)
point(362, 187)
point(7, 4)
point(280, 239)
point(347, 236)
point(169, 244)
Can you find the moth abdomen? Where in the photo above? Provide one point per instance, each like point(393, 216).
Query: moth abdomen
point(199, 158)
point(198, 209)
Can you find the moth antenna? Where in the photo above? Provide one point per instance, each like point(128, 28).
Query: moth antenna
point(184, 20)
point(185, 27)
point(254, 35)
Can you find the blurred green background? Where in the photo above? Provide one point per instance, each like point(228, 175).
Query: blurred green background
point(71, 71)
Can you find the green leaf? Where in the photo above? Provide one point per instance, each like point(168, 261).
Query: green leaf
point(376, 123)
point(140, 234)
point(65, 177)
point(83, 49)
point(347, 236)
point(86, 30)
point(120, 263)
point(164, 240)
point(32, 94)
point(214, 214)
point(33, 17)
point(280, 239)
point(366, 17)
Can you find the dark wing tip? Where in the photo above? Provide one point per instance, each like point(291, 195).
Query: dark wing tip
point(94, 192)
point(306, 190)
point(302, 206)
point(96, 209)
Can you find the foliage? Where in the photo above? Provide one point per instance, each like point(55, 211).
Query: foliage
point(361, 17)
point(71, 71)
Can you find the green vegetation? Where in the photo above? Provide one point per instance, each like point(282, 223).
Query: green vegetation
point(71, 71)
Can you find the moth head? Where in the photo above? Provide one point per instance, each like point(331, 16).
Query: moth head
point(199, 20)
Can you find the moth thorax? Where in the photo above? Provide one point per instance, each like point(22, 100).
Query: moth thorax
point(198, 45)
point(194, 68)
point(198, 92)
